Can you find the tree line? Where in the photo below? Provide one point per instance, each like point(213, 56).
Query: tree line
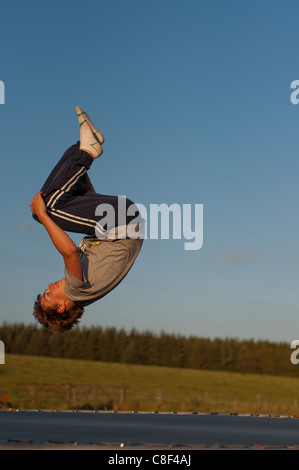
point(147, 348)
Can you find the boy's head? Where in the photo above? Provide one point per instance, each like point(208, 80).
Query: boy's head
point(54, 310)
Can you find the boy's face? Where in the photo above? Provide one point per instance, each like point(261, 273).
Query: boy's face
point(54, 295)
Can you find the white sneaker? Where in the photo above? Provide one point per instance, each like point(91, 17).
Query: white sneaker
point(82, 116)
point(88, 141)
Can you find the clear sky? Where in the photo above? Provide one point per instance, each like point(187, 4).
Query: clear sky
point(193, 98)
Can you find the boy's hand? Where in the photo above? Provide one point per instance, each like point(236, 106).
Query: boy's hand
point(38, 206)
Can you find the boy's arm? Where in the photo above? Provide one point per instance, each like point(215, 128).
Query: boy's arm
point(62, 242)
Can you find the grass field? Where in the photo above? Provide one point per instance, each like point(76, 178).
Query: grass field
point(147, 387)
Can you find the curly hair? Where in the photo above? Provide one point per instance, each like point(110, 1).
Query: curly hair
point(55, 321)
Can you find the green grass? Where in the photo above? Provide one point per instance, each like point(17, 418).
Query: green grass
point(181, 389)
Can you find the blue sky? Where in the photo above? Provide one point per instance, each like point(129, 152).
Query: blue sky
point(194, 101)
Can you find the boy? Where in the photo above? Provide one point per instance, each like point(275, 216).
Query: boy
point(68, 202)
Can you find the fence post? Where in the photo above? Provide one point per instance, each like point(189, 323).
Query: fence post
point(159, 395)
point(31, 389)
point(2, 350)
point(123, 394)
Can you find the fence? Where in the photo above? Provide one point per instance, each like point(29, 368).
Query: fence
point(94, 396)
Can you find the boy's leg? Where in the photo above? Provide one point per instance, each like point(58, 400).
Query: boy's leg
point(72, 208)
point(93, 213)
point(64, 179)
point(70, 163)
point(85, 184)
point(76, 160)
